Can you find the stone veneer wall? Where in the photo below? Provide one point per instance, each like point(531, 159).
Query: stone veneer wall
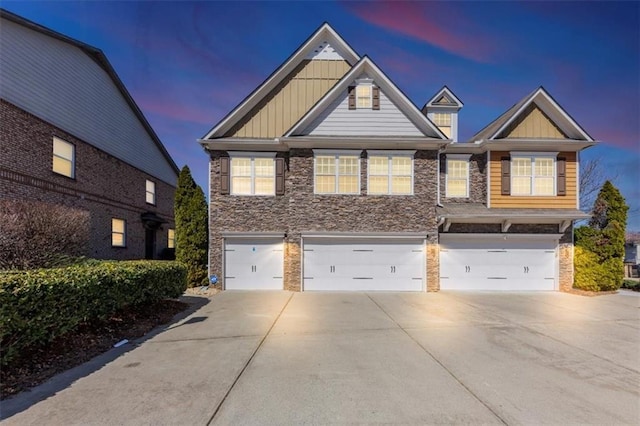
point(477, 180)
point(103, 185)
point(300, 210)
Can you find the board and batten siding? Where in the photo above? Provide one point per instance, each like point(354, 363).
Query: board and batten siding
point(338, 120)
point(515, 201)
point(59, 83)
point(533, 123)
point(291, 99)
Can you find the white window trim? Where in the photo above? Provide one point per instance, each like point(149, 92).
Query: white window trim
point(251, 156)
point(364, 82)
point(337, 153)
point(389, 154)
point(124, 232)
point(153, 203)
point(73, 157)
point(532, 156)
point(457, 157)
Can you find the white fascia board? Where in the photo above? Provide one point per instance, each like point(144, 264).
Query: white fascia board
point(365, 143)
point(536, 145)
point(274, 79)
point(500, 236)
point(392, 152)
point(227, 144)
point(365, 236)
point(541, 92)
point(382, 81)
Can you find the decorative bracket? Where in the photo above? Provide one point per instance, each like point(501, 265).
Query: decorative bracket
point(506, 224)
point(564, 225)
point(447, 225)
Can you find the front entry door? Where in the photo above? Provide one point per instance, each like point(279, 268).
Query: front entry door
point(149, 243)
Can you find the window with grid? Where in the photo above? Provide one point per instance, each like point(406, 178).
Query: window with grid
point(337, 174)
point(363, 96)
point(171, 238)
point(151, 192)
point(253, 176)
point(118, 232)
point(533, 175)
point(443, 121)
point(390, 174)
point(63, 158)
point(457, 178)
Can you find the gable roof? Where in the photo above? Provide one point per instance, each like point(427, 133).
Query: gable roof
point(446, 93)
point(316, 44)
point(366, 65)
point(541, 98)
point(99, 57)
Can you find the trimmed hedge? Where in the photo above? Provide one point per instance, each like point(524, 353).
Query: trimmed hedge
point(37, 306)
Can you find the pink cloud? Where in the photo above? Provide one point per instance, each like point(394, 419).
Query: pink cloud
point(429, 22)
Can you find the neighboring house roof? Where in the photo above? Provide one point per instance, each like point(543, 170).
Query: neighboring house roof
point(444, 98)
point(367, 66)
point(314, 45)
point(97, 56)
point(547, 104)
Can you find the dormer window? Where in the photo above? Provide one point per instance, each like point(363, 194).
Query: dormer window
point(443, 121)
point(364, 95)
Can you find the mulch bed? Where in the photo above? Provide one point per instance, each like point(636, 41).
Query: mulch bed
point(35, 366)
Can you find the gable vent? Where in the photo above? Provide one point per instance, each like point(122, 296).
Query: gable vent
point(324, 51)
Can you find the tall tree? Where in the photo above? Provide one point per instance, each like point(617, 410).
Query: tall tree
point(604, 238)
point(192, 225)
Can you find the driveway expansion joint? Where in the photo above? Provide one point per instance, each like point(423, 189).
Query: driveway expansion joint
point(246, 365)
point(440, 363)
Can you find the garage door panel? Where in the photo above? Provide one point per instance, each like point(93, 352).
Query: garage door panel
point(498, 264)
point(253, 264)
point(363, 265)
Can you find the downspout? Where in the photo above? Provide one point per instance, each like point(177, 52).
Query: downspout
point(438, 203)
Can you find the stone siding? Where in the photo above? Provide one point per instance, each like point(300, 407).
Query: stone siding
point(103, 185)
point(299, 210)
point(477, 180)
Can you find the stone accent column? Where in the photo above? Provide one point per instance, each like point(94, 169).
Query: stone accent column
point(292, 263)
point(215, 258)
point(565, 253)
point(433, 267)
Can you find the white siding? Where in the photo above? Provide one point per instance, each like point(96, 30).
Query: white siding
point(339, 120)
point(62, 85)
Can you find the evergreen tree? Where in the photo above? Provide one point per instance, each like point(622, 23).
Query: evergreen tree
point(192, 224)
point(604, 238)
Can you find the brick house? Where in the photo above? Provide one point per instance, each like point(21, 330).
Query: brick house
point(327, 177)
point(71, 134)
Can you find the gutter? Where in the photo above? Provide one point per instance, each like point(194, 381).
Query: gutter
point(438, 203)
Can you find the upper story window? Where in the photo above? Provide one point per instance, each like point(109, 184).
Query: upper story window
point(364, 95)
point(337, 172)
point(118, 233)
point(533, 174)
point(457, 182)
point(443, 121)
point(171, 238)
point(63, 158)
point(254, 174)
point(151, 192)
point(390, 173)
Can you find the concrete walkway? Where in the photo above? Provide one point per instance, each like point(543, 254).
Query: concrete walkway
point(409, 358)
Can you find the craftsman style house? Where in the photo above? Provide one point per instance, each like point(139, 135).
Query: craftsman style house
point(327, 177)
point(72, 135)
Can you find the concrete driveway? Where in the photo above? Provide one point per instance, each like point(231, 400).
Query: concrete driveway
point(293, 358)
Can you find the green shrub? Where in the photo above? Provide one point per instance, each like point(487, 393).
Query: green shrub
point(631, 285)
point(39, 305)
point(587, 270)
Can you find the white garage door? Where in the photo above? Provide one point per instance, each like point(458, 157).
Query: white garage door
point(363, 264)
point(497, 264)
point(253, 264)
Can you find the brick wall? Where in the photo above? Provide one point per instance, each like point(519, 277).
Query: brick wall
point(477, 180)
point(103, 185)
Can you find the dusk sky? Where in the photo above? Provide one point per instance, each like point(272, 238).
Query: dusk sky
point(187, 64)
